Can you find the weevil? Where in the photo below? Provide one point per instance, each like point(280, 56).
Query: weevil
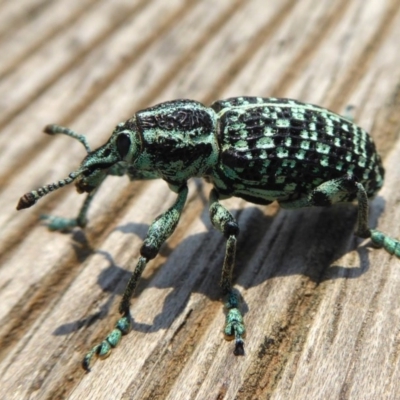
point(259, 149)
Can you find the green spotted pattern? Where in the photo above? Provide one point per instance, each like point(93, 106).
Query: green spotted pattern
point(280, 149)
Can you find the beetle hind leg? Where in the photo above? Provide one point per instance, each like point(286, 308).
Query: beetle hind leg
point(224, 221)
point(345, 189)
point(378, 238)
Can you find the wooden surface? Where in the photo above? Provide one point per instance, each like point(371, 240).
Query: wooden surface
point(322, 307)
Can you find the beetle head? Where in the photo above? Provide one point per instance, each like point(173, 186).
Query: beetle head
point(123, 146)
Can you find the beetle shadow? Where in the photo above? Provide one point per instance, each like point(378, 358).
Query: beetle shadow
point(195, 264)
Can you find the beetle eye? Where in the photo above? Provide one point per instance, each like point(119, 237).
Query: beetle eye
point(123, 144)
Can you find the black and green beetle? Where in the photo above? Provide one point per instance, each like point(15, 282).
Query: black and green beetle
point(258, 149)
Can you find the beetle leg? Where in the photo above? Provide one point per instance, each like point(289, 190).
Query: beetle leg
point(379, 239)
point(161, 228)
point(224, 221)
point(342, 189)
point(349, 112)
point(55, 223)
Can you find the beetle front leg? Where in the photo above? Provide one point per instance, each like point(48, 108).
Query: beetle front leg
point(224, 221)
point(161, 228)
point(55, 223)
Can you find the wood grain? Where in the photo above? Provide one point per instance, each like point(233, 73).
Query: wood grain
point(322, 308)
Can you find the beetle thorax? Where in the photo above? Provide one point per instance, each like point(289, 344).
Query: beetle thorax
point(179, 140)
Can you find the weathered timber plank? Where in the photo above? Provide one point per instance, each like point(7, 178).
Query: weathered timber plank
point(322, 308)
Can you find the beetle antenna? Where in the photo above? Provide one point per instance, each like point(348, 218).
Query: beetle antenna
point(30, 198)
point(52, 129)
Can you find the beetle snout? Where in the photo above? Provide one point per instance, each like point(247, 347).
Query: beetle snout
point(82, 186)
